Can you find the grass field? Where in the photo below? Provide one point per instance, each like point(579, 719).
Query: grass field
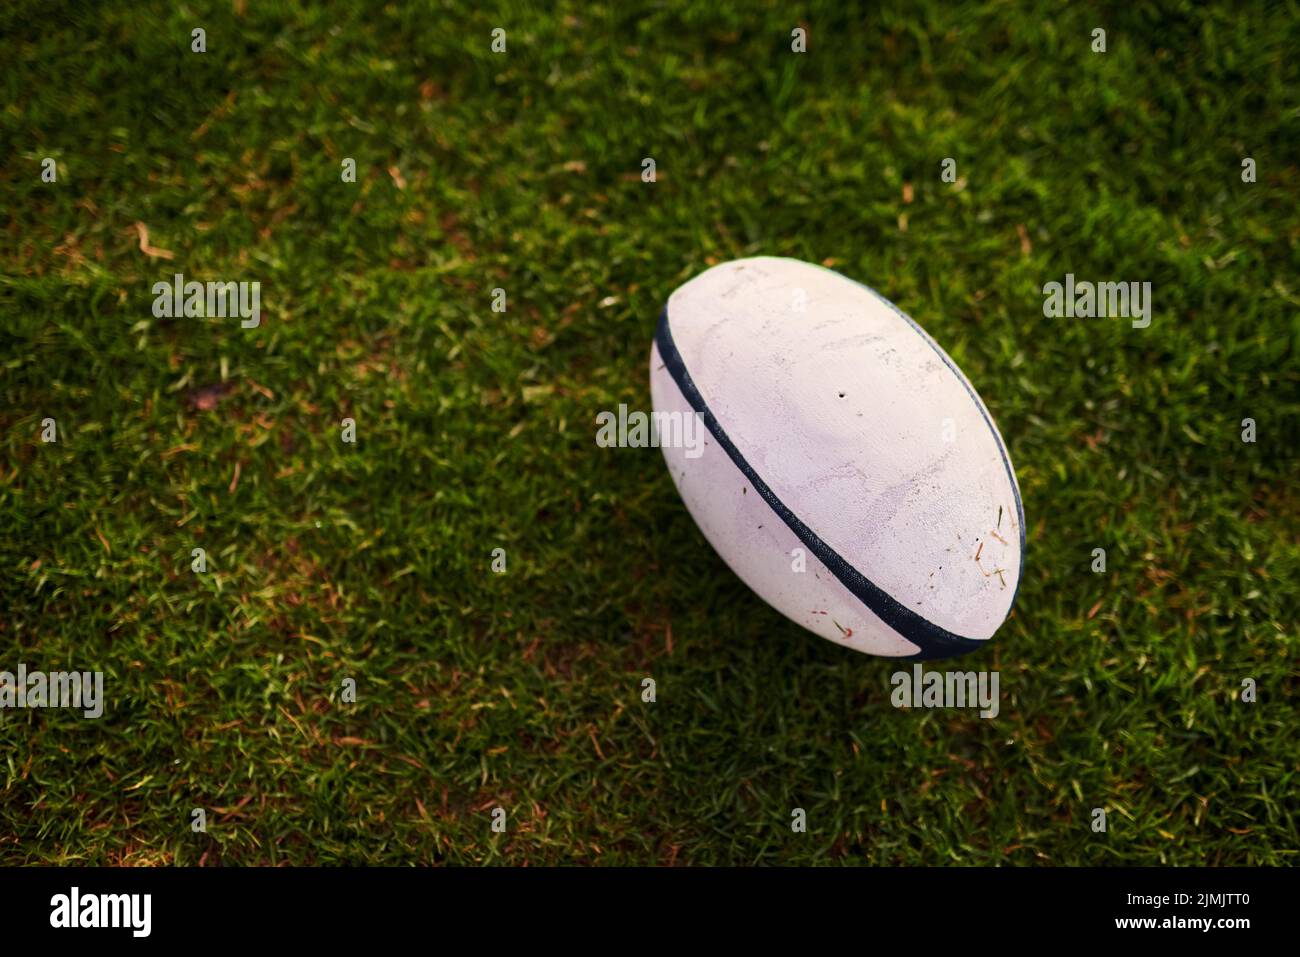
point(476, 430)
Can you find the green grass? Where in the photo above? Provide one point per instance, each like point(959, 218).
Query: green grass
point(476, 430)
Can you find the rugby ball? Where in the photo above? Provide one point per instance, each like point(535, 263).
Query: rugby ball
point(850, 475)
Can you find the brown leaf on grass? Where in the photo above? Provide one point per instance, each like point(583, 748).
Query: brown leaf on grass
point(907, 193)
point(1094, 440)
point(1026, 247)
point(432, 91)
point(221, 112)
point(1092, 612)
point(234, 482)
point(398, 180)
point(232, 811)
point(450, 226)
point(151, 251)
point(208, 397)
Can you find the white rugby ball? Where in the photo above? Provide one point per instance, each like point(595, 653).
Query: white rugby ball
point(850, 474)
